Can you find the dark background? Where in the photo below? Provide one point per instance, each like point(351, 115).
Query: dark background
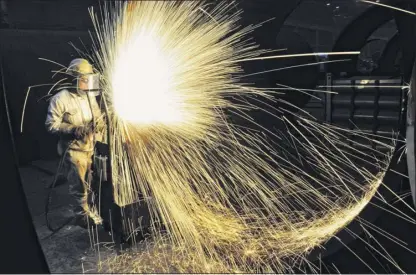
point(34, 29)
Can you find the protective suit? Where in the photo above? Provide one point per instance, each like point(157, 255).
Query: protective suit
point(70, 117)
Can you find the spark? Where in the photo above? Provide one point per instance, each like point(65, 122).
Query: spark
point(300, 55)
point(366, 86)
point(233, 198)
point(297, 66)
point(388, 6)
point(53, 85)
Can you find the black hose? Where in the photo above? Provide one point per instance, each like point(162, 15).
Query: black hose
point(49, 200)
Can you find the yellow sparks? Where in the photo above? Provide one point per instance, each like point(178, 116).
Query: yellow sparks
point(232, 196)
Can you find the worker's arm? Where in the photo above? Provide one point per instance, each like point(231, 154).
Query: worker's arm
point(54, 120)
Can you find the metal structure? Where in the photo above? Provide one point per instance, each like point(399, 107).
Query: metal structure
point(410, 135)
point(373, 104)
point(375, 101)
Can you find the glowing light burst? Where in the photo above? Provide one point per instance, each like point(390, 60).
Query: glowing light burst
point(232, 196)
point(143, 80)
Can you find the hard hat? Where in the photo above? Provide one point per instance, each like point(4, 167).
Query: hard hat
point(80, 66)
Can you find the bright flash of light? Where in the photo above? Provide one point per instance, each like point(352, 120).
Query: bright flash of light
point(143, 79)
point(233, 195)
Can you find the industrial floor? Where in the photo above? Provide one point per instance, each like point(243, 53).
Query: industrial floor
point(70, 249)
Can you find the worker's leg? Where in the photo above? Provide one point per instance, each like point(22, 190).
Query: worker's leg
point(79, 186)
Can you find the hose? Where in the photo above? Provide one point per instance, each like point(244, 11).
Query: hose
point(49, 200)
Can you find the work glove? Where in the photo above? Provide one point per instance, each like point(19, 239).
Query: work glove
point(82, 131)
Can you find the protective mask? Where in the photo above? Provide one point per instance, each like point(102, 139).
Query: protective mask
point(93, 84)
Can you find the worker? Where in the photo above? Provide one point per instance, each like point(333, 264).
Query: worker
point(71, 115)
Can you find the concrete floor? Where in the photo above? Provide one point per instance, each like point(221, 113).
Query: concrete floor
point(70, 249)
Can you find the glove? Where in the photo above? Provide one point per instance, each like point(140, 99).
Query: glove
point(80, 132)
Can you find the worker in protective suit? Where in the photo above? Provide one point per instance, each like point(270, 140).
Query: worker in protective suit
point(71, 115)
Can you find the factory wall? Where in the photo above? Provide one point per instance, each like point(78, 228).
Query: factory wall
point(20, 51)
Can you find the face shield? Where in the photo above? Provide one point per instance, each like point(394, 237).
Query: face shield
point(89, 83)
